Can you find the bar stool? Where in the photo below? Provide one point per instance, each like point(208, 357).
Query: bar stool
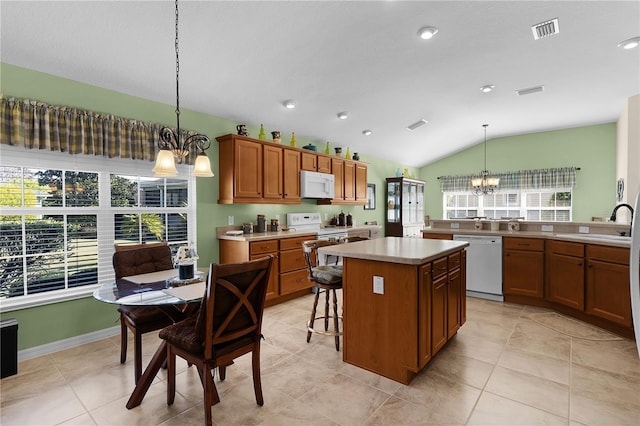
point(329, 279)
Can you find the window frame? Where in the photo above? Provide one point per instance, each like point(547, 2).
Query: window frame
point(40, 159)
point(522, 207)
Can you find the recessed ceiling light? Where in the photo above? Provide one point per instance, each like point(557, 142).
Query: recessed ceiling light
point(629, 44)
point(289, 104)
point(366, 132)
point(417, 124)
point(426, 33)
point(487, 88)
point(343, 115)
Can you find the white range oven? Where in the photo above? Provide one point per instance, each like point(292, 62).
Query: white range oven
point(313, 222)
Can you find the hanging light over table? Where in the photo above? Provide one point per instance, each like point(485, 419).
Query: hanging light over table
point(484, 184)
point(172, 146)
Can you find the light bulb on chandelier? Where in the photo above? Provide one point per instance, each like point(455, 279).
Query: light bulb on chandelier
point(484, 183)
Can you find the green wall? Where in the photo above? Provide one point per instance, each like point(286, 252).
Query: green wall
point(592, 148)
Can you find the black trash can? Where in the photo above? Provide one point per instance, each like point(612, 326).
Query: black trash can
point(9, 347)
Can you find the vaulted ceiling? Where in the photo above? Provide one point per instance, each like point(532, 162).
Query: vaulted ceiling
point(241, 59)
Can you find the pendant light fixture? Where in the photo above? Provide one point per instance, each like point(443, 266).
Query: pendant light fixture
point(170, 143)
point(484, 184)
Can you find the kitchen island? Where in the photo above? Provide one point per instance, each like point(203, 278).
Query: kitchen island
point(403, 300)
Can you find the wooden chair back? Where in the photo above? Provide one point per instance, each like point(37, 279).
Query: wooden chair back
point(141, 259)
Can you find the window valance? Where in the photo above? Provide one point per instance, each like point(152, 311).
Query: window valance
point(37, 125)
point(564, 177)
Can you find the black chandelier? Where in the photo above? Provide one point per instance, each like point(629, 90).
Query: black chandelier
point(170, 144)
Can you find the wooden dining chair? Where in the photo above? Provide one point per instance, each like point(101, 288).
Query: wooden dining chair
point(133, 260)
point(228, 325)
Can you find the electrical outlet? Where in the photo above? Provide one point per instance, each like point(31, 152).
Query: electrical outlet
point(229, 220)
point(378, 285)
point(583, 229)
point(455, 225)
point(546, 228)
point(277, 217)
point(326, 217)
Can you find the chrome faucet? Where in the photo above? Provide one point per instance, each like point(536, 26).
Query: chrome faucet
point(615, 211)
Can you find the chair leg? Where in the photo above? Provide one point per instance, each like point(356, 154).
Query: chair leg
point(257, 382)
point(335, 319)
point(171, 375)
point(326, 310)
point(137, 356)
point(123, 340)
point(211, 396)
point(222, 372)
point(313, 314)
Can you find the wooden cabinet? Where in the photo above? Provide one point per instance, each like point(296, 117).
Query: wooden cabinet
point(288, 277)
point(404, 207)
point(565, 273)
point(453, 302)
point(324, 164)
point(424, 315)
point(293, 272)
point(253, 171)
point(607, 286)
point(523, 266)
point(350, 184)
point(310, 162)
point(291, 175)
point(260, 249)
point(437, 236)
point(273, 170)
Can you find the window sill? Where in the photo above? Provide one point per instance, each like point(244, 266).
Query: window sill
point(48, 298)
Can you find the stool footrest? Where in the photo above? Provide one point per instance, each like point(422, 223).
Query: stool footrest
point(324, 333)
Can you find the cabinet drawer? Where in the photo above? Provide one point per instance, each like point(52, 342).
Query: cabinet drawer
point(439, 267)
point(292, 260)
point(294, 281)
point(437, 236)
point(294, 243)
point(267, 246)
point(608, 254)
point(454, 261)
point(566, 248)
point(534, 244)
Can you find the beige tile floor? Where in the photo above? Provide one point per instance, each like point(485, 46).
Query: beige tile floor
point(504, 367)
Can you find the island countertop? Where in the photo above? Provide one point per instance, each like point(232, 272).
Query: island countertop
point(408, 251)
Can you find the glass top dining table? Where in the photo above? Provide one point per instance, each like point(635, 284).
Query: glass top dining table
point(163, 290)
point(152, 289)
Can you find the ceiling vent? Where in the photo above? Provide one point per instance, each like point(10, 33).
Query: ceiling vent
point(417, 124)
point(545, 29)
point(530, 90)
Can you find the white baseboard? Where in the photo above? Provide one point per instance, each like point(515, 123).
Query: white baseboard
point(67, 343)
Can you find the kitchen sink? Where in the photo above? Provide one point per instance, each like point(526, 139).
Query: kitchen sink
point(597, 237)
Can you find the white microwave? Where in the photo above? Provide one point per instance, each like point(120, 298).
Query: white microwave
point(316, 185)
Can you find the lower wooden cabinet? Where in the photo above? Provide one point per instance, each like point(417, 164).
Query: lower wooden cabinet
point(523, 266)
point(565, 273)
point(424, 316)
point(261, 249)
point(607, 286)
point(439, 315)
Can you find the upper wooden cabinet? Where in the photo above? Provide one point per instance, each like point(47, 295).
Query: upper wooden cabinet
point(253, 171)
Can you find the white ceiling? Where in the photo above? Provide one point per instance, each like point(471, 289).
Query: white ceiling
point(241, 59)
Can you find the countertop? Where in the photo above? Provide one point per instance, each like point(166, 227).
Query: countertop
point(409, 251)
point(261, 236)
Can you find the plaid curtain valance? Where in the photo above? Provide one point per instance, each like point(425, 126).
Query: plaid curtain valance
point(564, 177)
point(37, 125)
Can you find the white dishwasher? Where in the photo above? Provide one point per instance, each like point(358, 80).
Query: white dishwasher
point(484, 266)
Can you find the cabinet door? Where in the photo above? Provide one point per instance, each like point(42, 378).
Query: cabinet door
point(324, 164)
point(453, 303)
point(350, 181)
point(291, 174)
point(420, 203)
point(361, 182)
point(337, 169)
point(463, 287)
point(310, 162)
point(565, 280)
point(523, 273)
point(274, 277)
point(438, 314)
point(608, 293)
point(247, 169)
point(272, 172)
point(424, 316)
